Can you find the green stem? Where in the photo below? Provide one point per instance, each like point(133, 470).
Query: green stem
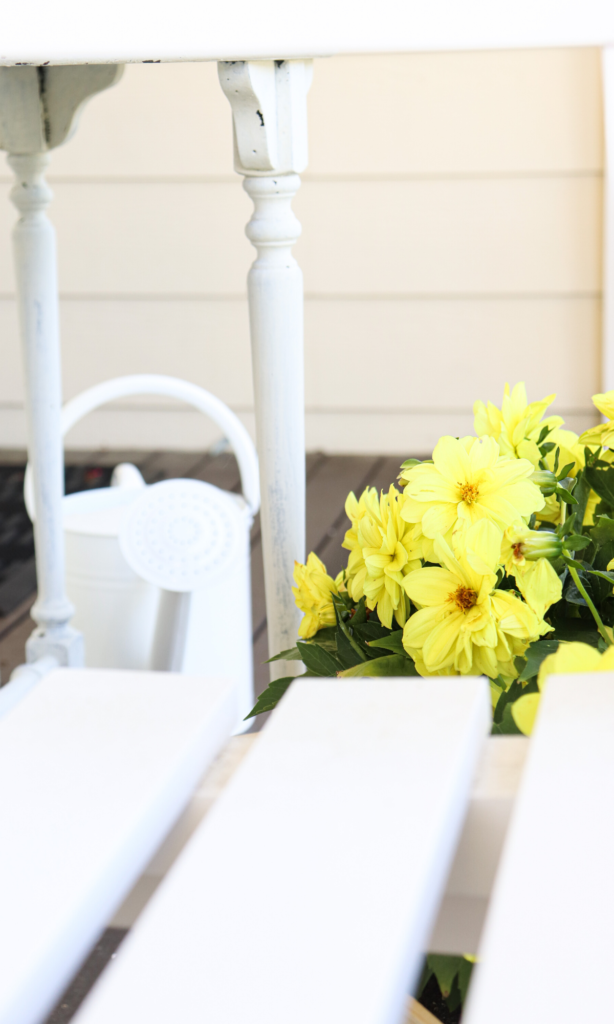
point(600, 626)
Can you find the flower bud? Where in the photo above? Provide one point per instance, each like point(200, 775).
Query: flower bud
point(540, 544)
point(545, 480)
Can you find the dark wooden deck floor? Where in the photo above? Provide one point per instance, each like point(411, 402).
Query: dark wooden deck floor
point(329, 480)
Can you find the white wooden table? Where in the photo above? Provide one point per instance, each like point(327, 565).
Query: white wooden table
point(54, 56)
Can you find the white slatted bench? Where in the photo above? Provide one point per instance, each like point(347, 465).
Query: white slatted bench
point(309, 891)
point(96, 766)
point(548, 945)
point(317, 881)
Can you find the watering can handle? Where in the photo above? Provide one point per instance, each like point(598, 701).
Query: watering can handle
point(170, 387)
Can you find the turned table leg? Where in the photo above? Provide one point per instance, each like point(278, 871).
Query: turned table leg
point(268, 100)
point(38, 107)
point(36, 274)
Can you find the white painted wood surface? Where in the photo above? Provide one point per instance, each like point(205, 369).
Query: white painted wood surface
point(460, 917)
point(351, 802)
point(268, 101)
point(277, 28)
point(97, 765)
point(36, 273)
point(548, 940)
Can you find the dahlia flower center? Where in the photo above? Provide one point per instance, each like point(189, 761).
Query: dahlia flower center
point(469, 493)
point(518, 551)
point(464, 598)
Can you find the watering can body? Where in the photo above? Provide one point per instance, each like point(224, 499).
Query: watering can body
point(115, 608)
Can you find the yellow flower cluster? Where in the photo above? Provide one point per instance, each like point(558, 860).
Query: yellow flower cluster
point(433, 555)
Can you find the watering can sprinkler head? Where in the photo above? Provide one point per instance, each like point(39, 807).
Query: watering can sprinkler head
point(180, 535)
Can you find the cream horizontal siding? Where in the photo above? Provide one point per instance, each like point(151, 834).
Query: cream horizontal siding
point(451, 241)
point(498, 235)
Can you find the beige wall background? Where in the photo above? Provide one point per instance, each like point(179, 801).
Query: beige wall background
point(451, 241)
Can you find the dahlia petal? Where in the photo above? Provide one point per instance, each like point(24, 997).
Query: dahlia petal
point(430, 587)
point(451, 460)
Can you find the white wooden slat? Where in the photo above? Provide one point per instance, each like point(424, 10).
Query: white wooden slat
point(138, 30)
point(96, 767)
point(460, 918)
point(350, 805)
point(548, 943)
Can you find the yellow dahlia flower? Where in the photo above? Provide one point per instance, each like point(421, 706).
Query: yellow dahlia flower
point(355, 509)
point(569, 659)
point(603, 433)
point(463, 623)
point(312, 596)
point(389, 552)
point(517, 425)
point(468, 480)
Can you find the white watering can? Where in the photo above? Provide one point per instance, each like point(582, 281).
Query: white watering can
point(159, 575)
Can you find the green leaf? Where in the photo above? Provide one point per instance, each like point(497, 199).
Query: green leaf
point(360, 614)
point(573, 561)
point(464, 977)
point(393, 642)
point(346, 653)
point(567, 527)
point(576, 542)
point(575, 630)
point(535, 654)
point(543, 434)
point(581, 492)
point(409, 463)
point(603, 530)
point(425, 977)
point(565, 470)
point(391, 665)
point(368, 631)
point(271, 697)
point(600, 476)
point(507, 725)
point(608, 576)
point(567, 496)
point(317, 660)
point(445, 968)
point(292, 655)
